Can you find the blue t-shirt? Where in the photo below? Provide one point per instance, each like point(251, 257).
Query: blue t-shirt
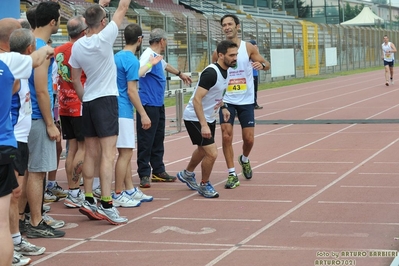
point(12, 66)
point(36, 113)
point(255, 72)
point(153, 84)
point(127, 69)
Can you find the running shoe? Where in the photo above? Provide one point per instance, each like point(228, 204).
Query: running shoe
point(58, 191)
point(74, 202)
point(50, 197)
point(207, 190)
point(19, 259)
point(43, 230)
point(90, 210)
point(139, 195)
point(26, 248)
point(97, 192)
point(189, 180)
point(46, 208)
point(246, 168)
point(392, 82)
point(111, 215)
point(53, 222)
point(162, 177)
point(124, 200)
point(145, 182)
point(232, 181)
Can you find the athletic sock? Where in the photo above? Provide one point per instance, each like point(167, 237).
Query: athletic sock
point(50, 184)
point(74, 192)
point(16, 238)
point(244, 159)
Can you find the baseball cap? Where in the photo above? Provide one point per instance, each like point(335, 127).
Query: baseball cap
point(253, 42)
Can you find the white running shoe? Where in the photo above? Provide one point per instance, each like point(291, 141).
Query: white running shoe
point(124, 200)
point(58, 191)
point(19, 259)
point(26, 248)
point(111, 215)
point(74, 202)
point(50, 197)
point(139, 195)
point(53, 222)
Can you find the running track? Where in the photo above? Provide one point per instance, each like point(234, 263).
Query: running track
point(318, 190)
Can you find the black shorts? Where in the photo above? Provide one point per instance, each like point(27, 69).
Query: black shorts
point(390, 64)
point(245, 114)
point(100, 117)
point(194, 131)
point(72, 127)
point(21, 158)
point(8, 182)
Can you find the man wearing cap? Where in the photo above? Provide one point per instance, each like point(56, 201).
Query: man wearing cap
point(256, 81)
point(150, 147)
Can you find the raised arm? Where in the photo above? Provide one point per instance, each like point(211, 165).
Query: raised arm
point(121, 12)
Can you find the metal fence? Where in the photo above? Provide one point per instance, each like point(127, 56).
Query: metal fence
point(192, 38)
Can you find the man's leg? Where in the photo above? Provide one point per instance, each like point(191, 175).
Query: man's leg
point(210, 153)
point(34, 193)
point(386, 74)
point(248, 140)
point(108, 147)
point(7, 248)
point(227, 144)
point(91, 159)
point(123, 175)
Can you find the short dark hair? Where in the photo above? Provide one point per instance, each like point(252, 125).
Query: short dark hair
point(31, 16)
point(223, 46)
point(93, 15)
point(236, 20)
point(46, 12)
point(20, 39)
point(132, 33)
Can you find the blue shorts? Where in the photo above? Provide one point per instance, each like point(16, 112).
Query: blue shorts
point(390, 64)
point(244, 113)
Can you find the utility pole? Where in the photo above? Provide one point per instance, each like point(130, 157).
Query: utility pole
point(390, 14)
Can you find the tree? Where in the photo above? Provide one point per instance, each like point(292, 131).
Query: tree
point(350, 12)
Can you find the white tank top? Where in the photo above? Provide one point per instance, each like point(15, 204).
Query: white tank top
point(240, 90)
point(210, 100)
point(389, 57)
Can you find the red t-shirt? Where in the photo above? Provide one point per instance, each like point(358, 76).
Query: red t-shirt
point(69, 103)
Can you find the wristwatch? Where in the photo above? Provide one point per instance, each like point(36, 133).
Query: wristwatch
point(264, 65)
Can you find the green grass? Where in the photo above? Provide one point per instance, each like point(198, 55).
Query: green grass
point(171, 101)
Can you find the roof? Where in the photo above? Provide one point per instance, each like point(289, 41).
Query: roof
point(365, 18)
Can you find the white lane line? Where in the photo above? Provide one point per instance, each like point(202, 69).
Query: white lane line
point(299, 162)
point(290, 211)
point(378, 174)
point(349, 223)
point(384, 187)
point(386, 162)
point(206, 219)
point(300, 173)
point(242, 200)
point(276, 185)
point(358, 202)
point(317, 234)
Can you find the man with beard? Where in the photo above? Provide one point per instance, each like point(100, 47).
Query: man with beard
point(200, 118)
point(128, 71)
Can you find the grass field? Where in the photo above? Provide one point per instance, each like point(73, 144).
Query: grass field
point(171, 101)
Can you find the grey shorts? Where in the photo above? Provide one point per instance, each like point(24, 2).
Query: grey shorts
point(42, 150)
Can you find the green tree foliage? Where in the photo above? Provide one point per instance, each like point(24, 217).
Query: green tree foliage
point(350, 12)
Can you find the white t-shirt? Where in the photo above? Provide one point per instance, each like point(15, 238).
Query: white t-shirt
point(389, 57)
point(24, 119)
point(95, 56)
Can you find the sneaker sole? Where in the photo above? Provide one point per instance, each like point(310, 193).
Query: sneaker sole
point(208, 196)
point(158, 179)
point(185, 182)
point(91, 215)
point(51, 200)
point(145, 186)
point(37, 235)
point(70, 204)
point(27, 253)
point(121, 205)
point(104, 217)
point(234, 186)
point(145, 200)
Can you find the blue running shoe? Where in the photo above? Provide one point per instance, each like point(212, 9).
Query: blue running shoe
point(207, 190)
point(189, 180)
